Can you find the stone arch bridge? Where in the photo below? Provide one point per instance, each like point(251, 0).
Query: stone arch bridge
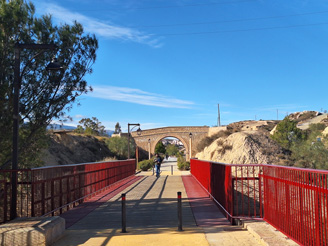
point(190, 136)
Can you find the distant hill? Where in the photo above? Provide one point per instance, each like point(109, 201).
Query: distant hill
point(60, 127)
point(109, 132)
point(71, 128)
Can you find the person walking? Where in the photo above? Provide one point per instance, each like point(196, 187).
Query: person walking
point(158, 161)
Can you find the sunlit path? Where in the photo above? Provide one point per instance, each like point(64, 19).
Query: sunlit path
point(152, 218)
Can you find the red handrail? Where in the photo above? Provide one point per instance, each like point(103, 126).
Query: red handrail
point(54, 190)
point(294, 200)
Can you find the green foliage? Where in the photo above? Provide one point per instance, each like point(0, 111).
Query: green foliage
point(90, 127)
point(317, 128)
point(145, 165)
point(307, 149)
point(44, 96)
point(119, 147)
point(160, 148)
point(182, 163)
point(207, 141)
point(117, 128)
point(287, 133)
point(312, 152)
point(79, 129)
point(171, 149)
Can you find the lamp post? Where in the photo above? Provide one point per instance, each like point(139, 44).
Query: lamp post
point(190, 140)
point(149, 149)
point(17, 84)
point(138, 132)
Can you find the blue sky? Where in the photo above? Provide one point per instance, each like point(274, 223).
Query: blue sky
point(169, 63)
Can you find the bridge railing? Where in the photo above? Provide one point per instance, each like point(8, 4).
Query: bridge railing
point(294, 200)
point(235, 188)
point(54, 190)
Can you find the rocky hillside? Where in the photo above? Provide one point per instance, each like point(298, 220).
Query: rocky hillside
point(249, 142)
point(245, 147)
point(68, 148)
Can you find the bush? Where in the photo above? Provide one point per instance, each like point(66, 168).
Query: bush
point(182, 163)
point(287, 133)
point(119, 147)
point(146, 165)
point(207, 141)
point(185, 165)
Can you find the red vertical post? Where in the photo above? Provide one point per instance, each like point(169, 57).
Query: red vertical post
point(5, 201)
point(242, 190)
point(233, 198)
point(43, 202)
point(60, 195)
point(52, 197)
point(260, 192)
point(254, 188)
point(74, 189)
point(123, 213)
point(317, 209)
point(33, 195)
point(68, 192)
point(179, 212)
point(288, 200)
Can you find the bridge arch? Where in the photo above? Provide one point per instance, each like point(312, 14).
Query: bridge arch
point(152, 147)
point(149, 138)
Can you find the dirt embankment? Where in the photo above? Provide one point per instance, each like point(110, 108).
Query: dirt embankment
point(250, 142)
point(68, 148)
point(245, 147)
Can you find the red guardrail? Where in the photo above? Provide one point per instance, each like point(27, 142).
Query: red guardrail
point(296, 203)
point(294, 200)
point(235, 188)
point(54, 190)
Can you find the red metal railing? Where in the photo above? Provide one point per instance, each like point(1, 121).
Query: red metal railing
point(235, 188)
point(294, 200)
point(54, 190)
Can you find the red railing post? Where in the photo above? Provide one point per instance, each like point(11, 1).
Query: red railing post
point(52, 197)
point(32, 195)
point(60, 195)
point(68, 199)
point(43, 199)
point(261, 200)
point(317, 212)
point(5, 201)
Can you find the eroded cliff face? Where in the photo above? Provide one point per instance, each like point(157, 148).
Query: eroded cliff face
point(245, 147)
point(68, 148)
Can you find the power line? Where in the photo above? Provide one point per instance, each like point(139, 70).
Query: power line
point(230, 21)
point(169, 6)
point(242, 30)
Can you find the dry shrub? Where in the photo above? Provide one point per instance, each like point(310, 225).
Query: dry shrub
point(224, 148)
point(207, 141)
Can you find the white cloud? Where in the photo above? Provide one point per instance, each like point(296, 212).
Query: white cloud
point(137, 96)
point(78, 116)
point(92, 25)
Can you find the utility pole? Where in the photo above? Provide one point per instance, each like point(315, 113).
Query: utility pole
point(219, 120)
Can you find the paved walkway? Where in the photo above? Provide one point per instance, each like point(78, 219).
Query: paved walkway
point(152, 216)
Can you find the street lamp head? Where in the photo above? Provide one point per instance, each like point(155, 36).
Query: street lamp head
point(190, 135)
point(54, 65)
point(148, 140)
point(139, 132)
